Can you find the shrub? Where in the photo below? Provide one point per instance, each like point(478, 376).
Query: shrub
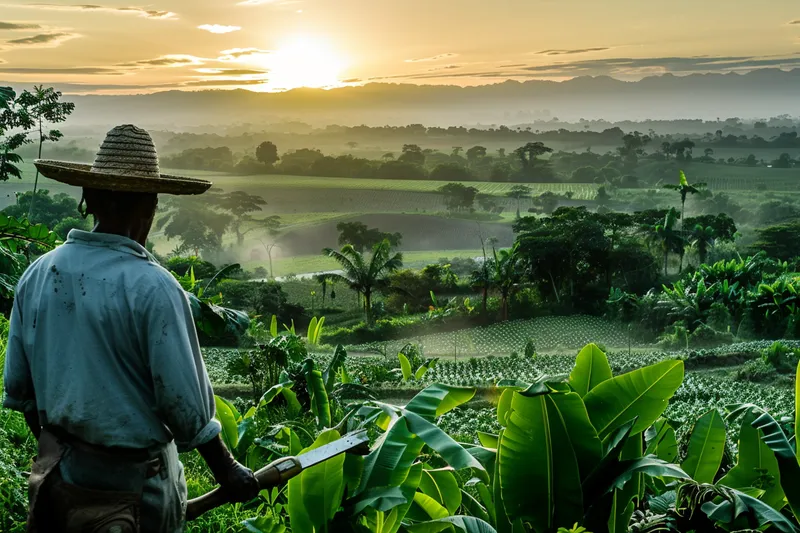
point(781, 357)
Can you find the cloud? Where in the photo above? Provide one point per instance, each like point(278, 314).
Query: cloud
point(15, 26)
point(570, 52)
point(660, 65)
point(46, 40)
point(230, 71)
point(794, 22)
point(624, 68)
point(220, 83)
point(171, 60)
point(445, 67)
point(219, 28)
point(234, 54)
point(432, 58)
point(68, 70)
point(140, 11)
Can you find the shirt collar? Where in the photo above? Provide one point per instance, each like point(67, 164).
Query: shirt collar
point(109, 240)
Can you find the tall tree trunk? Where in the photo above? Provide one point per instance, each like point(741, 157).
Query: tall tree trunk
point(36, 179)
point(555, 289)
point(368, 306)
point(666, 256)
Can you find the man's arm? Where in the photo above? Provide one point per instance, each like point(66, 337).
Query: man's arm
point(17, 379)
point(184, 397)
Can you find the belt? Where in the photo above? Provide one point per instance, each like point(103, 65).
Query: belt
point(154, 465)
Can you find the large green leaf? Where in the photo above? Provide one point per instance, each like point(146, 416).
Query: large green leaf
point(539, 460)
point(756, 465)
point(405, 366)
point(706, 447)
point(316, 493)
point(466, 524)
point(728, 510)
point(774, 437)
point(442, 486)
point(451, 451)
point(623, 498)
point(389, 462)
point(320, 403)
point(797, 410)
point(642, 394)
point(337, 363)
point(429, 506)
point(227, 416)
point(591, 369)
point(661, 441)
point(263, 524)
point(437, 399)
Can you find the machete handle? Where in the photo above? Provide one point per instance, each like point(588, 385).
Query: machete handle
point(272, 475)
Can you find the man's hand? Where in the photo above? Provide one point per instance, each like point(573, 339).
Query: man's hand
point(237, 480)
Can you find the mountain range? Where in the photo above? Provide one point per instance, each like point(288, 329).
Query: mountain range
point(760, 93)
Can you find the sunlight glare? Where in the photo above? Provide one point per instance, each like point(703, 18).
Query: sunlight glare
point(304, 61)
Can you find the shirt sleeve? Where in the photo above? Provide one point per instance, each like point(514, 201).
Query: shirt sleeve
point(17, 378)
point(184, 396)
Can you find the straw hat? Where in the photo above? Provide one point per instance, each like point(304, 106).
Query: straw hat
point(128, 162)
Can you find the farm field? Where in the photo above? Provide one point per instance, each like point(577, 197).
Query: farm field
point(559, 334)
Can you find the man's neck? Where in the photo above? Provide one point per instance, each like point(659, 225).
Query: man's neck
point(122, 230)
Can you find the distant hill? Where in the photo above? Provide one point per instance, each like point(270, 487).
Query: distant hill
point(761, 93)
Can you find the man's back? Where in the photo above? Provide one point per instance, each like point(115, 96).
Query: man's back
point(109, 345)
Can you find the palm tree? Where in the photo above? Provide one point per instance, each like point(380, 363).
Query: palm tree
point(506, 274)
point(324, 280)
point(665, 237)
point(685, 190)
point(702, 240)
point(363, 274)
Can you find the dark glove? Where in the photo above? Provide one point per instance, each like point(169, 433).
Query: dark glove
point(237, 480)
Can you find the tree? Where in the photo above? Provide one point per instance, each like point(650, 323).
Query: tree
point(366, 275)
point(665, 237)
point(518, 192)
point(500, 172)
point(781, 241)
point(190, 220)
point(475, 154)
point(44, 108)
point(547, 202)
point(487, 202)
point(451, 172)
point(388, 156)
point(12, 118)
point(457, 151)
point(584, 175)
point(684, 189)
point(506, 273)
point(722, 224)
point(324, 281)
point(529, 153)
point(632, 147)
point(51, 209)
point(413, 154)
point(784, 161)
point(362, 238)
point(702, 239)
point(458, 197)
point(240, 205)
point(267, 153)
point(351, 144)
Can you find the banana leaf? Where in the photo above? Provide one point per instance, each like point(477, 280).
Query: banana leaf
point(591, 369)
point(706, 447)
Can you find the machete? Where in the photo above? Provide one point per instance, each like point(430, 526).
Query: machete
point(282, 470)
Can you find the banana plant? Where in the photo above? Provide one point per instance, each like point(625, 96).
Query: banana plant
point(315, 331)
point(590, 434)
point(408, 372)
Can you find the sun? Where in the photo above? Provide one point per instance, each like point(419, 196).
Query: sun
point(304, 61)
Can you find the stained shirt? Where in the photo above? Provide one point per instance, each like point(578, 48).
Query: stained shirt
point(102, 344)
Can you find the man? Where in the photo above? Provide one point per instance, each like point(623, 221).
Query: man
point(104, 362)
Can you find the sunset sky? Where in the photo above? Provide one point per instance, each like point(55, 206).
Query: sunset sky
point(268, 45)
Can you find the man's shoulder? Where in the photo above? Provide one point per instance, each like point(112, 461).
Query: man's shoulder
point(154, 277)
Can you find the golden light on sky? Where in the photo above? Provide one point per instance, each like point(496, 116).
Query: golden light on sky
point(303, 61)
point(120, 46)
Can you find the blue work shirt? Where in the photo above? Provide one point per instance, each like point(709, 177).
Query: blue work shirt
point(102, 344)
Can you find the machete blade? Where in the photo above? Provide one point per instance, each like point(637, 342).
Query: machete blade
point(323, 453)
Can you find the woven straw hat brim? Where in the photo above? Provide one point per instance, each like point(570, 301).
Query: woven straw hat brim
point(81, 175)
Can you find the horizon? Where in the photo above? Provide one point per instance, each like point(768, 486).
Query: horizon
point(279, 45)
